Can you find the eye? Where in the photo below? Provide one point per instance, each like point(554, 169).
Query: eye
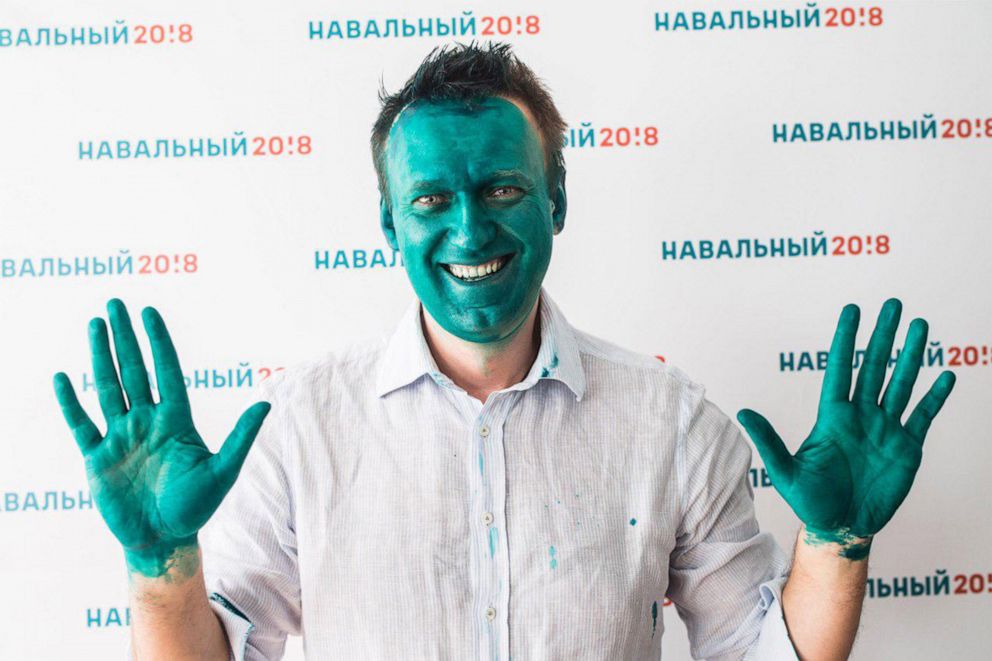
point(429, 200)
point(506, 192)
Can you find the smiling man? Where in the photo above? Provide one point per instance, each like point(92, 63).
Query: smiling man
point(491, 482)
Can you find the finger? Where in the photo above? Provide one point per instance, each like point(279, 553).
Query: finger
point(232, 454)
point(133, 373)
point(168, 373)
point(108, 388)
point(872, 373)
point(778, 460)
point(837, 379)
point(900, 387)
point(83, 430)
point(924, 413)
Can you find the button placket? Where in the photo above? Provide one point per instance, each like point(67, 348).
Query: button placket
point(488, 533)
point(487, 437)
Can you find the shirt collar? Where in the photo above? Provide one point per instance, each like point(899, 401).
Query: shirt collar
point(407, 356)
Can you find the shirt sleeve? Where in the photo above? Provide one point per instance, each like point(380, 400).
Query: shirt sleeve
point(725, 576)
point(250, 553)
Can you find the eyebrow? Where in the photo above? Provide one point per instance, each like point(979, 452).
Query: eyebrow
point(428, 184)
point(509, 174)
point(437, 184)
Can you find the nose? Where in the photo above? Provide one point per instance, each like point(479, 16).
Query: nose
point(471, 227)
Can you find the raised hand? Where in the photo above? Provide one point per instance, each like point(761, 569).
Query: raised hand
point(152, 477)
point(857, 464)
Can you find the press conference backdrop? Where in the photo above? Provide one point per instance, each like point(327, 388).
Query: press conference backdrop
point(737, 172)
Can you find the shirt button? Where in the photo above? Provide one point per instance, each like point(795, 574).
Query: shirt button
point(487, 518)
point(484, 430)
point(490, 613)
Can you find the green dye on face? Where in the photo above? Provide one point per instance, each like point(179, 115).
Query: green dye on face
point(467, 185)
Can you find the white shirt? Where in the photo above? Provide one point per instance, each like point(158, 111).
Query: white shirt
point(383, 513)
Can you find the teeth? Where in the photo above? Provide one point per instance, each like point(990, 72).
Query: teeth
point(476, 271)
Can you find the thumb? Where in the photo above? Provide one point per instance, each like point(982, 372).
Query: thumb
point(778, 460)
point(232, 454)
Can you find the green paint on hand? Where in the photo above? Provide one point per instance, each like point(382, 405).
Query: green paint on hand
point(858, 463)
point(152, 477)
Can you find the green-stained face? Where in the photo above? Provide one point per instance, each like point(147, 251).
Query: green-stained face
point(470, 212)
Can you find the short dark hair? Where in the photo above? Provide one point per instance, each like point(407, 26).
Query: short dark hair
point(468, 73)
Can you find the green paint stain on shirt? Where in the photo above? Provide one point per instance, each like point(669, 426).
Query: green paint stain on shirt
point(633, 522)
point(492, 542)
point(554, 561)
point(654, 617)
point(546, 371)
point(480, 463)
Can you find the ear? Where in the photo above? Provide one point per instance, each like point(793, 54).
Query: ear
point(386, 222)
point(559, 205)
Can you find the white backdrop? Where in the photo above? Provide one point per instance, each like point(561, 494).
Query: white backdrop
point(231, 244)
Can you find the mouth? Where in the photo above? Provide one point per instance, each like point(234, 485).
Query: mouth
point(478, 272)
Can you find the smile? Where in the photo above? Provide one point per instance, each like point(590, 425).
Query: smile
point(476, 272)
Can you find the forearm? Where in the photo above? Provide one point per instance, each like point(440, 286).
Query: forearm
point(171, 617)
point(822, 600)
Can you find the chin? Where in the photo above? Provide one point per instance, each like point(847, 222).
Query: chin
point(485, 333)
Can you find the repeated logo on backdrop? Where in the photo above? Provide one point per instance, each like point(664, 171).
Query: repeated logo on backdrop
point(118, 34)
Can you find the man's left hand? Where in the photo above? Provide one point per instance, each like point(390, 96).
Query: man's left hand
point(857, 464)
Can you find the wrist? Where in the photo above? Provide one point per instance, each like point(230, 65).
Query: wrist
point(841, 542)
point(171, 560)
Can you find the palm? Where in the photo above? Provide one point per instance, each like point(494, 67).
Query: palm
point(858, 463)
point(865, 457)
point(151, 475)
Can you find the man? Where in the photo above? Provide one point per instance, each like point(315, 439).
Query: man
point(491, 482)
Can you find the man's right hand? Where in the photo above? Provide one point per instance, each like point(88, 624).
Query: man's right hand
point(151, 475)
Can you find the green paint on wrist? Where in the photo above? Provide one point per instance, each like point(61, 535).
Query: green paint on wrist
point(174, 561)
point(853, 547)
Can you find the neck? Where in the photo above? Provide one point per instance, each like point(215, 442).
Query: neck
point(482, 368)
